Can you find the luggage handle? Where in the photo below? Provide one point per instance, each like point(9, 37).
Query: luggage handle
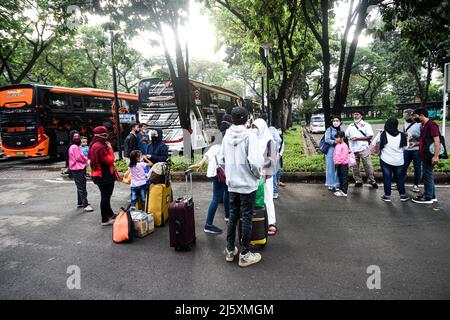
point(187, 173)
point(177, 228)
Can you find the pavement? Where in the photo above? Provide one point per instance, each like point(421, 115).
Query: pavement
point(322, 251)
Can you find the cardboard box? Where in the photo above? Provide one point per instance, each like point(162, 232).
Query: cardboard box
point(143, 223)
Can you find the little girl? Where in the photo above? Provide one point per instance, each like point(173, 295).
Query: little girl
point(341, 158)
point(138, 176)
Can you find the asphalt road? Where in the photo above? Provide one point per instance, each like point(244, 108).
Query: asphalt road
point(322, 251)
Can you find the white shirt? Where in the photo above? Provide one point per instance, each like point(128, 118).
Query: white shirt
point(352, 132)
point(391, 153)
point(212, 154)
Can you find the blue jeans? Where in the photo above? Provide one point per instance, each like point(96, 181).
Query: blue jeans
point(332, 180)
point(220, 191)
point(413, 155)
point(276, 178)
point(428, 179)
point(399, 176)
point(241, 205)
point(138, 192)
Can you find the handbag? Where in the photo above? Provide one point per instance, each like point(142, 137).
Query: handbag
point(220, 173)
point(323, 146)
point(351, 159)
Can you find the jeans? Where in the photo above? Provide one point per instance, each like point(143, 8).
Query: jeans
point(138, 192)
point(399, 176)
point(365, 156)
point(342, 172)
point(220, 191)
point(276, 177)
point(79, 177)
point(413, 155)
point(428, 179)
point(332, 180)
point(241, 205)
point(106, 191)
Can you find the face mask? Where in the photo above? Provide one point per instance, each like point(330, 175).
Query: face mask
point(101, 135)
point(154, 139)
point(409, 120)
point(417, 120)
point(77, 141)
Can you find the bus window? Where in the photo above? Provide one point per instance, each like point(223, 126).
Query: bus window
point(99, 104)
point(77, 103)
point(57, 101)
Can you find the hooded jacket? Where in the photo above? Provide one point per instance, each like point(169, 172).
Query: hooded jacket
point(157, 149)
point(267, 147)
point(242, 158)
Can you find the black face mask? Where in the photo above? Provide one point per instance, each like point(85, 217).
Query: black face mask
point(417, 120)
point(409, 120)
point(154, 139)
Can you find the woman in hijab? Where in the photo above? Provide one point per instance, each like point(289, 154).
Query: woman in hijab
point(279, 144)
point(392, 145)
point(101, 156)
point(157, 151)
point(66, 153)
point(267, 146)
point(77, 166)
point(331, 177)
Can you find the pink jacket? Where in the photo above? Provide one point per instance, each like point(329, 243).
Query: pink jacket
point(77, 160)
point(340, 155)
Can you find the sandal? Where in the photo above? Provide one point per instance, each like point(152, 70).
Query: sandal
point(272, 230)
point(281, 184)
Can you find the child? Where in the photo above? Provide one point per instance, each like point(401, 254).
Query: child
point(341, 157)
point(138, 176)
point(84, 146)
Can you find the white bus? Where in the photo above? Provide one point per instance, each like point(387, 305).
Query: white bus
point(208, 105)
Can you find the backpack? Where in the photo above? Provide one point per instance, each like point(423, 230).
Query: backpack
point(160, 173)
point(122, 230)
point(323, 146)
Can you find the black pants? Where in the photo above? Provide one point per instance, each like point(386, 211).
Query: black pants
point(106, 191)
point(241, 205)
point(79, 177)
point(342, 171)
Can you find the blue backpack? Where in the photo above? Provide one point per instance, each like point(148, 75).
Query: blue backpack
point(323, 146)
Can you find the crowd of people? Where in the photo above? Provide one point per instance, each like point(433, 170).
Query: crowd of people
point(419, 142)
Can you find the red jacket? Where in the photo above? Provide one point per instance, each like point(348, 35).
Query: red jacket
point(107, 159)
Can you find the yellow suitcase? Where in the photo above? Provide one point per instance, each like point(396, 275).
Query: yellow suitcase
point(158, 201)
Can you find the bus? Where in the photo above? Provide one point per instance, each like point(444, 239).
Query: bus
point(35, 120)
point(158, 109)
point(254, 108)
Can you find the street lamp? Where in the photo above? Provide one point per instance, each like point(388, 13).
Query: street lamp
point(116, 98)
point(266, 46)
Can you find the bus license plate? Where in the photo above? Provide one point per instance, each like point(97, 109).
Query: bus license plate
point(20, 153)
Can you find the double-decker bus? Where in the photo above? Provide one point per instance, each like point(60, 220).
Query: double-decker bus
point(158, 109)
point(35, 120)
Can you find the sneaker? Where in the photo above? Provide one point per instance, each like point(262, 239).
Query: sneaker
point(248, 259)
point(434, 200)
point(80, 206)
point(229, 256)
point(212, 229)
point(358, 184)
point(415, 188)
point(340, 194)
point(386, 198)
point(422, 199)
point(227, 220)
point(275, 195)
point(394, 186)
point(374, 185)
point(109, 222)
point(404, 198)
point(88, 208)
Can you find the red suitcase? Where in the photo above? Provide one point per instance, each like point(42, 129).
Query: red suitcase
point(181, 220)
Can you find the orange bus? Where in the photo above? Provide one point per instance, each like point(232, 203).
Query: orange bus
point(35, 120)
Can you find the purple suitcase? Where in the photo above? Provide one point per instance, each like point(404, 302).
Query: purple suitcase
point(181, 220)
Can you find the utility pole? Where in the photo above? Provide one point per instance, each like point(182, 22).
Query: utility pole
point(266, 47)
point(116, 98)
point(446, 91)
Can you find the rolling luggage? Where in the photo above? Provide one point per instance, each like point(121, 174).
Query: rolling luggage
point(260, 229)
point(158, 201)
point(181, 220)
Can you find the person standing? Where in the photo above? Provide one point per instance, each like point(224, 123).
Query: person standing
point(131, 142)
point(77, 166)
point(101, 157)
point(220, 189)
point(268, 150)
point(279, 146)
point(392, 145)
point(331, 176)
point(340, 160)
point(142, 134)
point(243, 163)
point(359, 134)
point(412, 130)
point(429, 138)
point(157, 151)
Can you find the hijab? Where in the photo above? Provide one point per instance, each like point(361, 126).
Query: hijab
point(391, 127)
point(264, 135)
point(76, 139)
point(98, 148)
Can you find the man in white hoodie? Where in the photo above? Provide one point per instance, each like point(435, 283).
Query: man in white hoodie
point(243, 164)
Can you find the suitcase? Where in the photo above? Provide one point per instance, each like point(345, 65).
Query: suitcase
point(260, 229)
point(181, 220)
point(158, 201)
